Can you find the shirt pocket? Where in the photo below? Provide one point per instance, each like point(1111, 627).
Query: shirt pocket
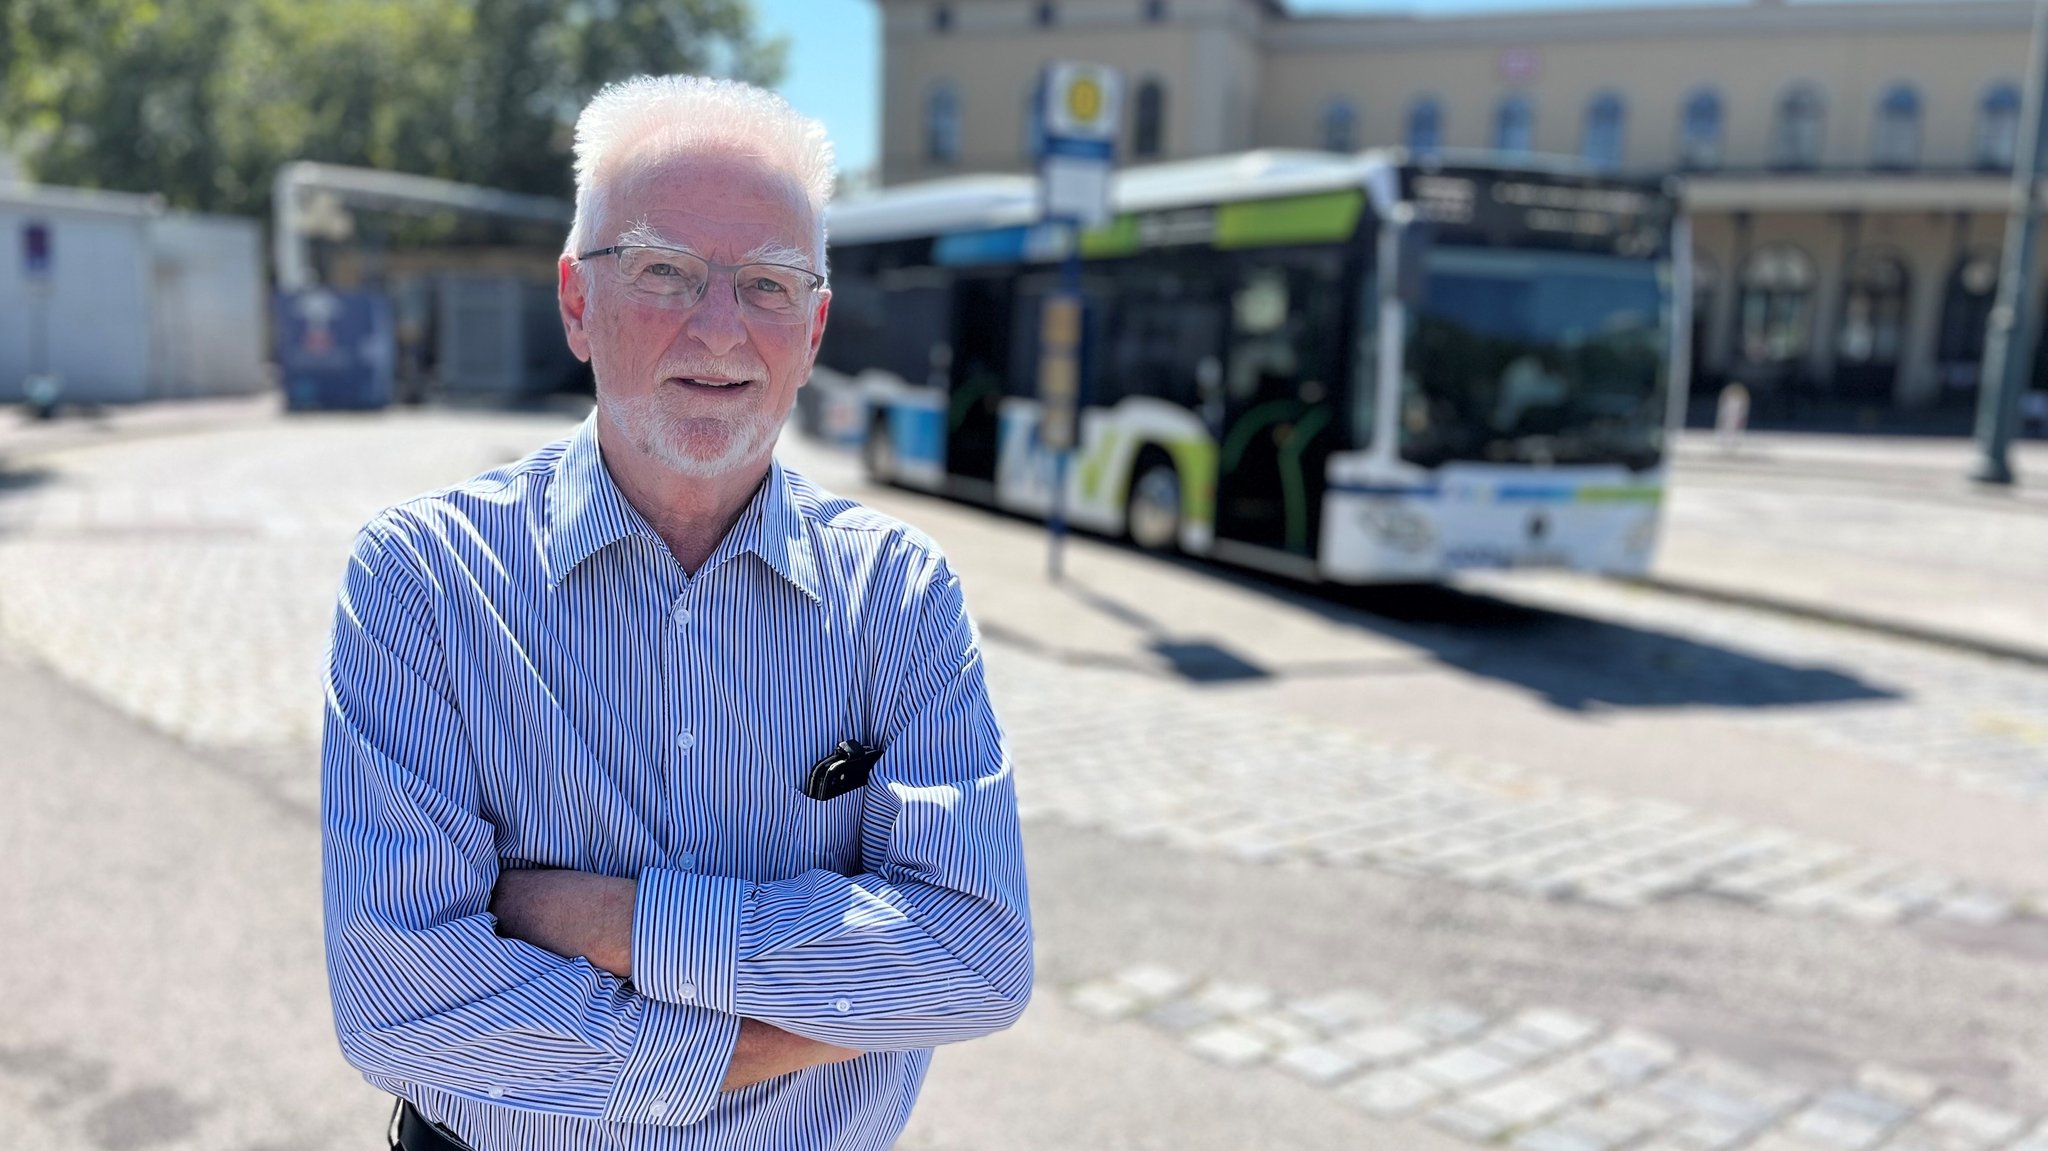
point(822, 834)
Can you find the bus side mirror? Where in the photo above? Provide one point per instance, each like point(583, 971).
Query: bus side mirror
point(1412, 243)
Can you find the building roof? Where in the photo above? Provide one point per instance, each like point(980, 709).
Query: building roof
point(1344, 32)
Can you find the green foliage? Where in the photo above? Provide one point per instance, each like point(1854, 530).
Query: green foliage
point(202, 100)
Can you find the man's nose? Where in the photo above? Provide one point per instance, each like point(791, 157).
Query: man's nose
point(716, 322)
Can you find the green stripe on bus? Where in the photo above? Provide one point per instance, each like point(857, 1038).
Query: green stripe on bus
point(1293, 220)
point(1620, 495)
point(1119, 237)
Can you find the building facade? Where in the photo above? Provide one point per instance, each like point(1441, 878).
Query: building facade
point(1846, 165)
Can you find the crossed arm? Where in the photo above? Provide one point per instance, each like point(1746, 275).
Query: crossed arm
point(580, 914)
point(452, 974)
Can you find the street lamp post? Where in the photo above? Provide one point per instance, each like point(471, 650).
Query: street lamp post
point(2007, 348)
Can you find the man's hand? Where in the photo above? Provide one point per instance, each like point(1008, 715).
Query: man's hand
point(766, 1052)
point(579, 914)
point(571, 913)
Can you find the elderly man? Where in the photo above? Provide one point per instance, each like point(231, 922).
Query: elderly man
point(663, 802)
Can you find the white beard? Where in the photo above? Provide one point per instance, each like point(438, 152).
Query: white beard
point(666, 435)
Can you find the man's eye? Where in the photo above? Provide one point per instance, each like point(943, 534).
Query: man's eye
point(662, 270)
point(768, 286)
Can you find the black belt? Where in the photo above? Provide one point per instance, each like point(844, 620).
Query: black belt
point(410, 1131)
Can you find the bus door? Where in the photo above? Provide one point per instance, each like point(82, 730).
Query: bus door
point(980, 360)
point(1283, 399)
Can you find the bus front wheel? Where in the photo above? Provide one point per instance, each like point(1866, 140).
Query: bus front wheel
point(1152, 515)
point(878, 452)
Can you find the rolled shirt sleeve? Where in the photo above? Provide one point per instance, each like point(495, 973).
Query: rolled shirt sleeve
point(424, 990)
point(929, 944)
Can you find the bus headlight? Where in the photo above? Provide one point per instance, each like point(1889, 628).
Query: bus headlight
point(1402, 529)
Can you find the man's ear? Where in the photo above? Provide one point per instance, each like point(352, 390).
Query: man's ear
point(817, 331)
point(574, 298)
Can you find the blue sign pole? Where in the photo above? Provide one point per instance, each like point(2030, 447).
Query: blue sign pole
point(1074, 136)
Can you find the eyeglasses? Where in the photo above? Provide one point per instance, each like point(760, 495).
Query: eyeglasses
point(775, 293)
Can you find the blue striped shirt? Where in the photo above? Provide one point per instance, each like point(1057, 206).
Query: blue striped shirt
point(522, 674)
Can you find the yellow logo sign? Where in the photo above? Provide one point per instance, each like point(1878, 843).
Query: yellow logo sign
point(1084, 99)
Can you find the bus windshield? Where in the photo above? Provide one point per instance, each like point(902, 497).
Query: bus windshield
point(1536, 358)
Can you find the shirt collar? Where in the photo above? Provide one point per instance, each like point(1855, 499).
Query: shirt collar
point(586, 513)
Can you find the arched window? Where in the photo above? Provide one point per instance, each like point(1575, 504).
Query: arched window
point(1775, 312)
point(1998, 126)
point(942, 18)
point(1965, 314)
point(1048, 15)
point(1155, 11)
point(1148, 120)
point(1426, 126)
point(1339, 126)
point(1034, 108)
point(1874, 300)
point(1514, 125)
point(1795, 143)
point(1699, 131)
point(942, 125)
point(1896, 143)
point(1606, 119)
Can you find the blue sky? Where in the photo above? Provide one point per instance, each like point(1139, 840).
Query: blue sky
point(835, 53)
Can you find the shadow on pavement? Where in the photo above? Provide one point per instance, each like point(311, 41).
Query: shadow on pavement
point(1572, 662)
point(1579, 663)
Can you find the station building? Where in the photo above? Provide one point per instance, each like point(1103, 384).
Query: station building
point(1846, 165)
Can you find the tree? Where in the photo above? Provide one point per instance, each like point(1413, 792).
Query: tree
point(202, 100)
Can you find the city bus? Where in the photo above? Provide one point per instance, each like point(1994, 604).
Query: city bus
point(1359, 369)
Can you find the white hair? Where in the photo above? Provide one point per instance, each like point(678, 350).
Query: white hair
point(677, 114)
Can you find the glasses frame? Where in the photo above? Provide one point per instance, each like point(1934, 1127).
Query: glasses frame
point(803, 314)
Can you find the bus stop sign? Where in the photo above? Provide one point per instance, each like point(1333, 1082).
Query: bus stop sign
point(1079, 108)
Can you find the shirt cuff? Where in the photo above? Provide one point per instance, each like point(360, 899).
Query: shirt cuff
point(679, 1061)
point(686, 937)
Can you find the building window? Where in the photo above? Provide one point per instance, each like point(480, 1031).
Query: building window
point(942, 125)
point(1047, 14)
point(1998, 127)
point(1606, 117)
point(1034, 107)
point(1796, 142)
point(1155, 11)
point(1775, 311)
point(1426, 127)
point(1514, 126)
point(1148, 120)
point(1896, 143)
point(942, 19)
point(1965, 317)
point(1873, 310)
point(1339, 126)
point(1699, 131)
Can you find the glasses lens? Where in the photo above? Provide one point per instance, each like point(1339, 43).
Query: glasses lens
point(664, 273)
point(774, 292)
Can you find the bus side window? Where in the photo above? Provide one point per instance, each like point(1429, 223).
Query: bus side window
point(1365, 364)
point(1164, 323)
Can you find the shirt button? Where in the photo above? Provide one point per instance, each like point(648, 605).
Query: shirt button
point(496, 1092)
point(686, 741)
point(687, 991)
point(658, 1108)
point(681, 615)
point(842, 1006)
point(688, 861)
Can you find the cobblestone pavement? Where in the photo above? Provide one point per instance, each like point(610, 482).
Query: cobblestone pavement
point(1143, 760)
point(1975, 720)
point(1545, 1079)
point(196, 594)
